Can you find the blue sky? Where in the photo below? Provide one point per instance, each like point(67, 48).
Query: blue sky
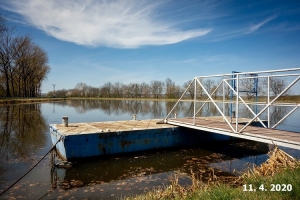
point(97, 41)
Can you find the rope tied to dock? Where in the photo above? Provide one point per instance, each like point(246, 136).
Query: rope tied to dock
point(30, 168)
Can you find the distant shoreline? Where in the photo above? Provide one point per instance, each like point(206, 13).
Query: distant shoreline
point(5, 101)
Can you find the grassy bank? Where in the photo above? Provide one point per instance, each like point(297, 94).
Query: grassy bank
point(278, 178)
point(226, 191)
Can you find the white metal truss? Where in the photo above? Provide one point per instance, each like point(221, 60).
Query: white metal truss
point(196, 82)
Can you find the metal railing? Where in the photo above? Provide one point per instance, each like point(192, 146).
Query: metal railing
point(233, 82)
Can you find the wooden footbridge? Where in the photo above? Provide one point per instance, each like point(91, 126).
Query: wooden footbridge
point(234, 123)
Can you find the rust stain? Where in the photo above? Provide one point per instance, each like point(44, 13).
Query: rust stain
point(125, 143)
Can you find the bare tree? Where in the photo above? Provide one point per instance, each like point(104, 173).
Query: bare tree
point(209, 85)
point(6, 56)
point(106, 89)
point(39, 69)
point(227, 91)
point(125, 91)
point(134, 90)
point(191, 89)
point(216, 93)
point(177, 91)
point(248, 87)
point(82, 88)
point(145, 89)
point(137, 92)
point(157, 88)
point(170, 88)
point(117, 89)
point(23, 64)
point(277, 85)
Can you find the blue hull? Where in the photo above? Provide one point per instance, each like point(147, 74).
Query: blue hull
point(101, 144)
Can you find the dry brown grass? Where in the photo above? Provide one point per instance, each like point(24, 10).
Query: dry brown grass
point(277, 162)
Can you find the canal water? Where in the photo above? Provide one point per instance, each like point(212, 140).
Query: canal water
point(25, 139)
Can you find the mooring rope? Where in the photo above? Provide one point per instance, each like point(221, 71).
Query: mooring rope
point(30, 168)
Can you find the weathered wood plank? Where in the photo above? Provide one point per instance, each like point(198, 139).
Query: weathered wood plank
point(217, 123)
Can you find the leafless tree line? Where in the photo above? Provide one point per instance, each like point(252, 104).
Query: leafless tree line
point(168, 89)
point(23, 64)
point(156, 89)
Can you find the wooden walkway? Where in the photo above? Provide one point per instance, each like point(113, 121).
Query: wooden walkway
point(260, 134)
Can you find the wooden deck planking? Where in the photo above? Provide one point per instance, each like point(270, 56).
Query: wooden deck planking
point(291, 139)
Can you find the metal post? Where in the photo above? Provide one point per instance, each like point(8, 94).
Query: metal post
point(237, 103)
point(65, 121)
point(54, 90)
point(231, 95)
point(195, 93)
point(256, 92)
point(223, 97)
point(268, 101)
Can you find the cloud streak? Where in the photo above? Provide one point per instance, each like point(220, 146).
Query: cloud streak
point(117, 24)
point(257, 26)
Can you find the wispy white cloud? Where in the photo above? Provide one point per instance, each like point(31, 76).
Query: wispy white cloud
point(117, 23)
point(238, 30)
point(257, 26)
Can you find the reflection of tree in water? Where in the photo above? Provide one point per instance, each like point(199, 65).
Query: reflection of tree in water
point(157, 109)
point(22, 130)
point(184, 107)
point(188, 109)
point(277, 114)
point(118, 107)
point(169, 105)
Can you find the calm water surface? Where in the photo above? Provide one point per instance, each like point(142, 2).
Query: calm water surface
point(25, 139)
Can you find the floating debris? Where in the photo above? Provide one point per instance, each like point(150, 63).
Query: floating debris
point(76, 183)
point(63, 164)
point(70, 184)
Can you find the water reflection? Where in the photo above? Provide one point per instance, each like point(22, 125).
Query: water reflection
point(21, 132)
point(24, 133)
point(159, 109)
